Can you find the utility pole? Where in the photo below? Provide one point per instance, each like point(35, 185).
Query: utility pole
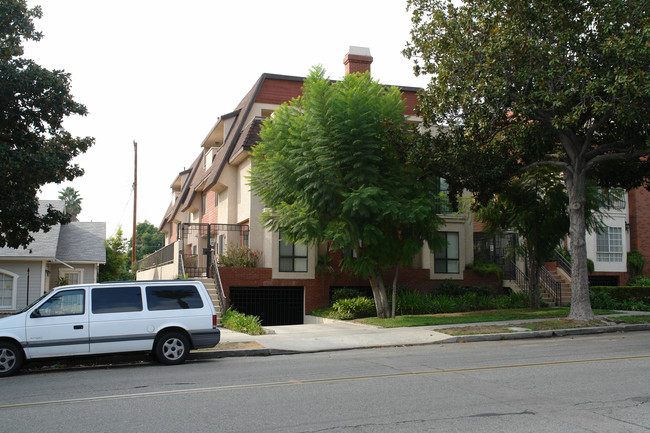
point(135, 204)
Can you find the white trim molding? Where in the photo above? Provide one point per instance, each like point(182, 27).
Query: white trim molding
point(14, 293)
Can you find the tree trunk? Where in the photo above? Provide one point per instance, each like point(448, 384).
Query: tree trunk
point(394, 298)
point(533, 293)
point(580, 304)
point(379, 293)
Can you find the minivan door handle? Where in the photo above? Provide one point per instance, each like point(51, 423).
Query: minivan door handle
point(78, 326)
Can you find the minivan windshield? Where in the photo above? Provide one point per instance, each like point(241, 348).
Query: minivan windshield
point(34, 303)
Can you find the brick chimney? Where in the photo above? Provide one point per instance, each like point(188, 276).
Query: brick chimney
point(357, 60)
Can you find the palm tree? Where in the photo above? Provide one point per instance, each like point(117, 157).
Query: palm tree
point(72, 201)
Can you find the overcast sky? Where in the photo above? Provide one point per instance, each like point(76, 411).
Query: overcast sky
point(161, 72)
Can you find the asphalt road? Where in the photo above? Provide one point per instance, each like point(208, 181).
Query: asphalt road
point(583, 384)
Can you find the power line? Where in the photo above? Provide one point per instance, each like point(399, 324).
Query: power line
point(123, 210)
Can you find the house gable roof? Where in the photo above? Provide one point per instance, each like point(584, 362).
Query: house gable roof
point(72, 242)
point(82, 242)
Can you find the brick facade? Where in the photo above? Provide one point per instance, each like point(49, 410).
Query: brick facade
point(210, 211)
point(639, 203)
point(317, 290)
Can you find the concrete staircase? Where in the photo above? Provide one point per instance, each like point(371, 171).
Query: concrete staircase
point(214, 296)
point(565, 281)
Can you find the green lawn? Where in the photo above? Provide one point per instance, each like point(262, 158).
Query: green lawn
point(471, 317)
point(632, 320)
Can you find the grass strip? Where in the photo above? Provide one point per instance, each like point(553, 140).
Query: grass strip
point(470, 317)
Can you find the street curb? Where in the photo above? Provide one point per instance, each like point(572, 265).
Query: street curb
point(211, 354)
point(548, 333)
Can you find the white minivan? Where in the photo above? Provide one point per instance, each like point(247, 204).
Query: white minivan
point(167, 318)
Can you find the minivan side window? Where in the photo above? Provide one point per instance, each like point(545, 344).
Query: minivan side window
point(66, 303)
point(116, 300)
point(173, 298)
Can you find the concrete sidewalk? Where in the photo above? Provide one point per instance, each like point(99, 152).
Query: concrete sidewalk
point(320, 335)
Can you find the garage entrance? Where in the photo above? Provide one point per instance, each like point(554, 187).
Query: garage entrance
point(273, 305)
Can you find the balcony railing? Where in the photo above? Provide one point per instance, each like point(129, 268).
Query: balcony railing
point(163, 256)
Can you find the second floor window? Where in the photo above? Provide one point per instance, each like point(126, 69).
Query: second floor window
point(442, 200)
point(293, 257)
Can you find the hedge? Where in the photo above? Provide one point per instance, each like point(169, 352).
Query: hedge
point(625, 293)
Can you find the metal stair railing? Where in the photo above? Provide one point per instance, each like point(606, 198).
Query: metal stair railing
point(522, 280)
point(563, 263)
point(219, 286)
point(181, 265)
point(546, 282)
point(552, 286)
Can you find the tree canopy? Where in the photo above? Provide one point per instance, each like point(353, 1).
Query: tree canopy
point(535, 206)
point(331, 168)
point(522, 84)
point(117, 261)
point(72, 201)
point(147, 240)
point(35, 149)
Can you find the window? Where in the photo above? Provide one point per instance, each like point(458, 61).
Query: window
point(66, 303)
point(116, 300)
point(173, 298)
point(609, 245)
point(216, 199)
point(204, 203)
point(293, 257)
point(447, 260)
point(7, 291)
point(72, 277)
point(442, 197)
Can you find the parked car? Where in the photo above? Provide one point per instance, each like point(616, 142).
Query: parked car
point(167, 318)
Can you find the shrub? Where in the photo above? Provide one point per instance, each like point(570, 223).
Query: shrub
point(449, 288)
point(602, 300)
point(625, 293)
point(486, 269)
point(442, 304)
point(240, 322)
point(518, 300)
point(354, 308)
point(621, 298)
point(345, 293)
point(410, 302)
point(640, 281)
point(239, 256)
point(635, 263)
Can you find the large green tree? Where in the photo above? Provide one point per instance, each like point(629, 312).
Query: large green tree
point(147, 240)
point(520, 84)
point(535, 206)
point(117, 260)
point(35, 149)
point(331, 168)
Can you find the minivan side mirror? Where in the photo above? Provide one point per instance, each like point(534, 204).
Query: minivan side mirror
point(35, 313)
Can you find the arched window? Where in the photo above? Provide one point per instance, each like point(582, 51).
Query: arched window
point(8, 283)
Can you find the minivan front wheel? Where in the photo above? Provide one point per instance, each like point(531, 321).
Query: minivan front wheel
point(172, 348)
point(11, 358)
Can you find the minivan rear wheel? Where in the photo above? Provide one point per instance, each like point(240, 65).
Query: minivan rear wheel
point(11, 358)
point(172, 348)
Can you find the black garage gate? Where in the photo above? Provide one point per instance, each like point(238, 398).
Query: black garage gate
point(273, 305)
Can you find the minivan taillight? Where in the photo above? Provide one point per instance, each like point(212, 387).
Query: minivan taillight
point(214, 321)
